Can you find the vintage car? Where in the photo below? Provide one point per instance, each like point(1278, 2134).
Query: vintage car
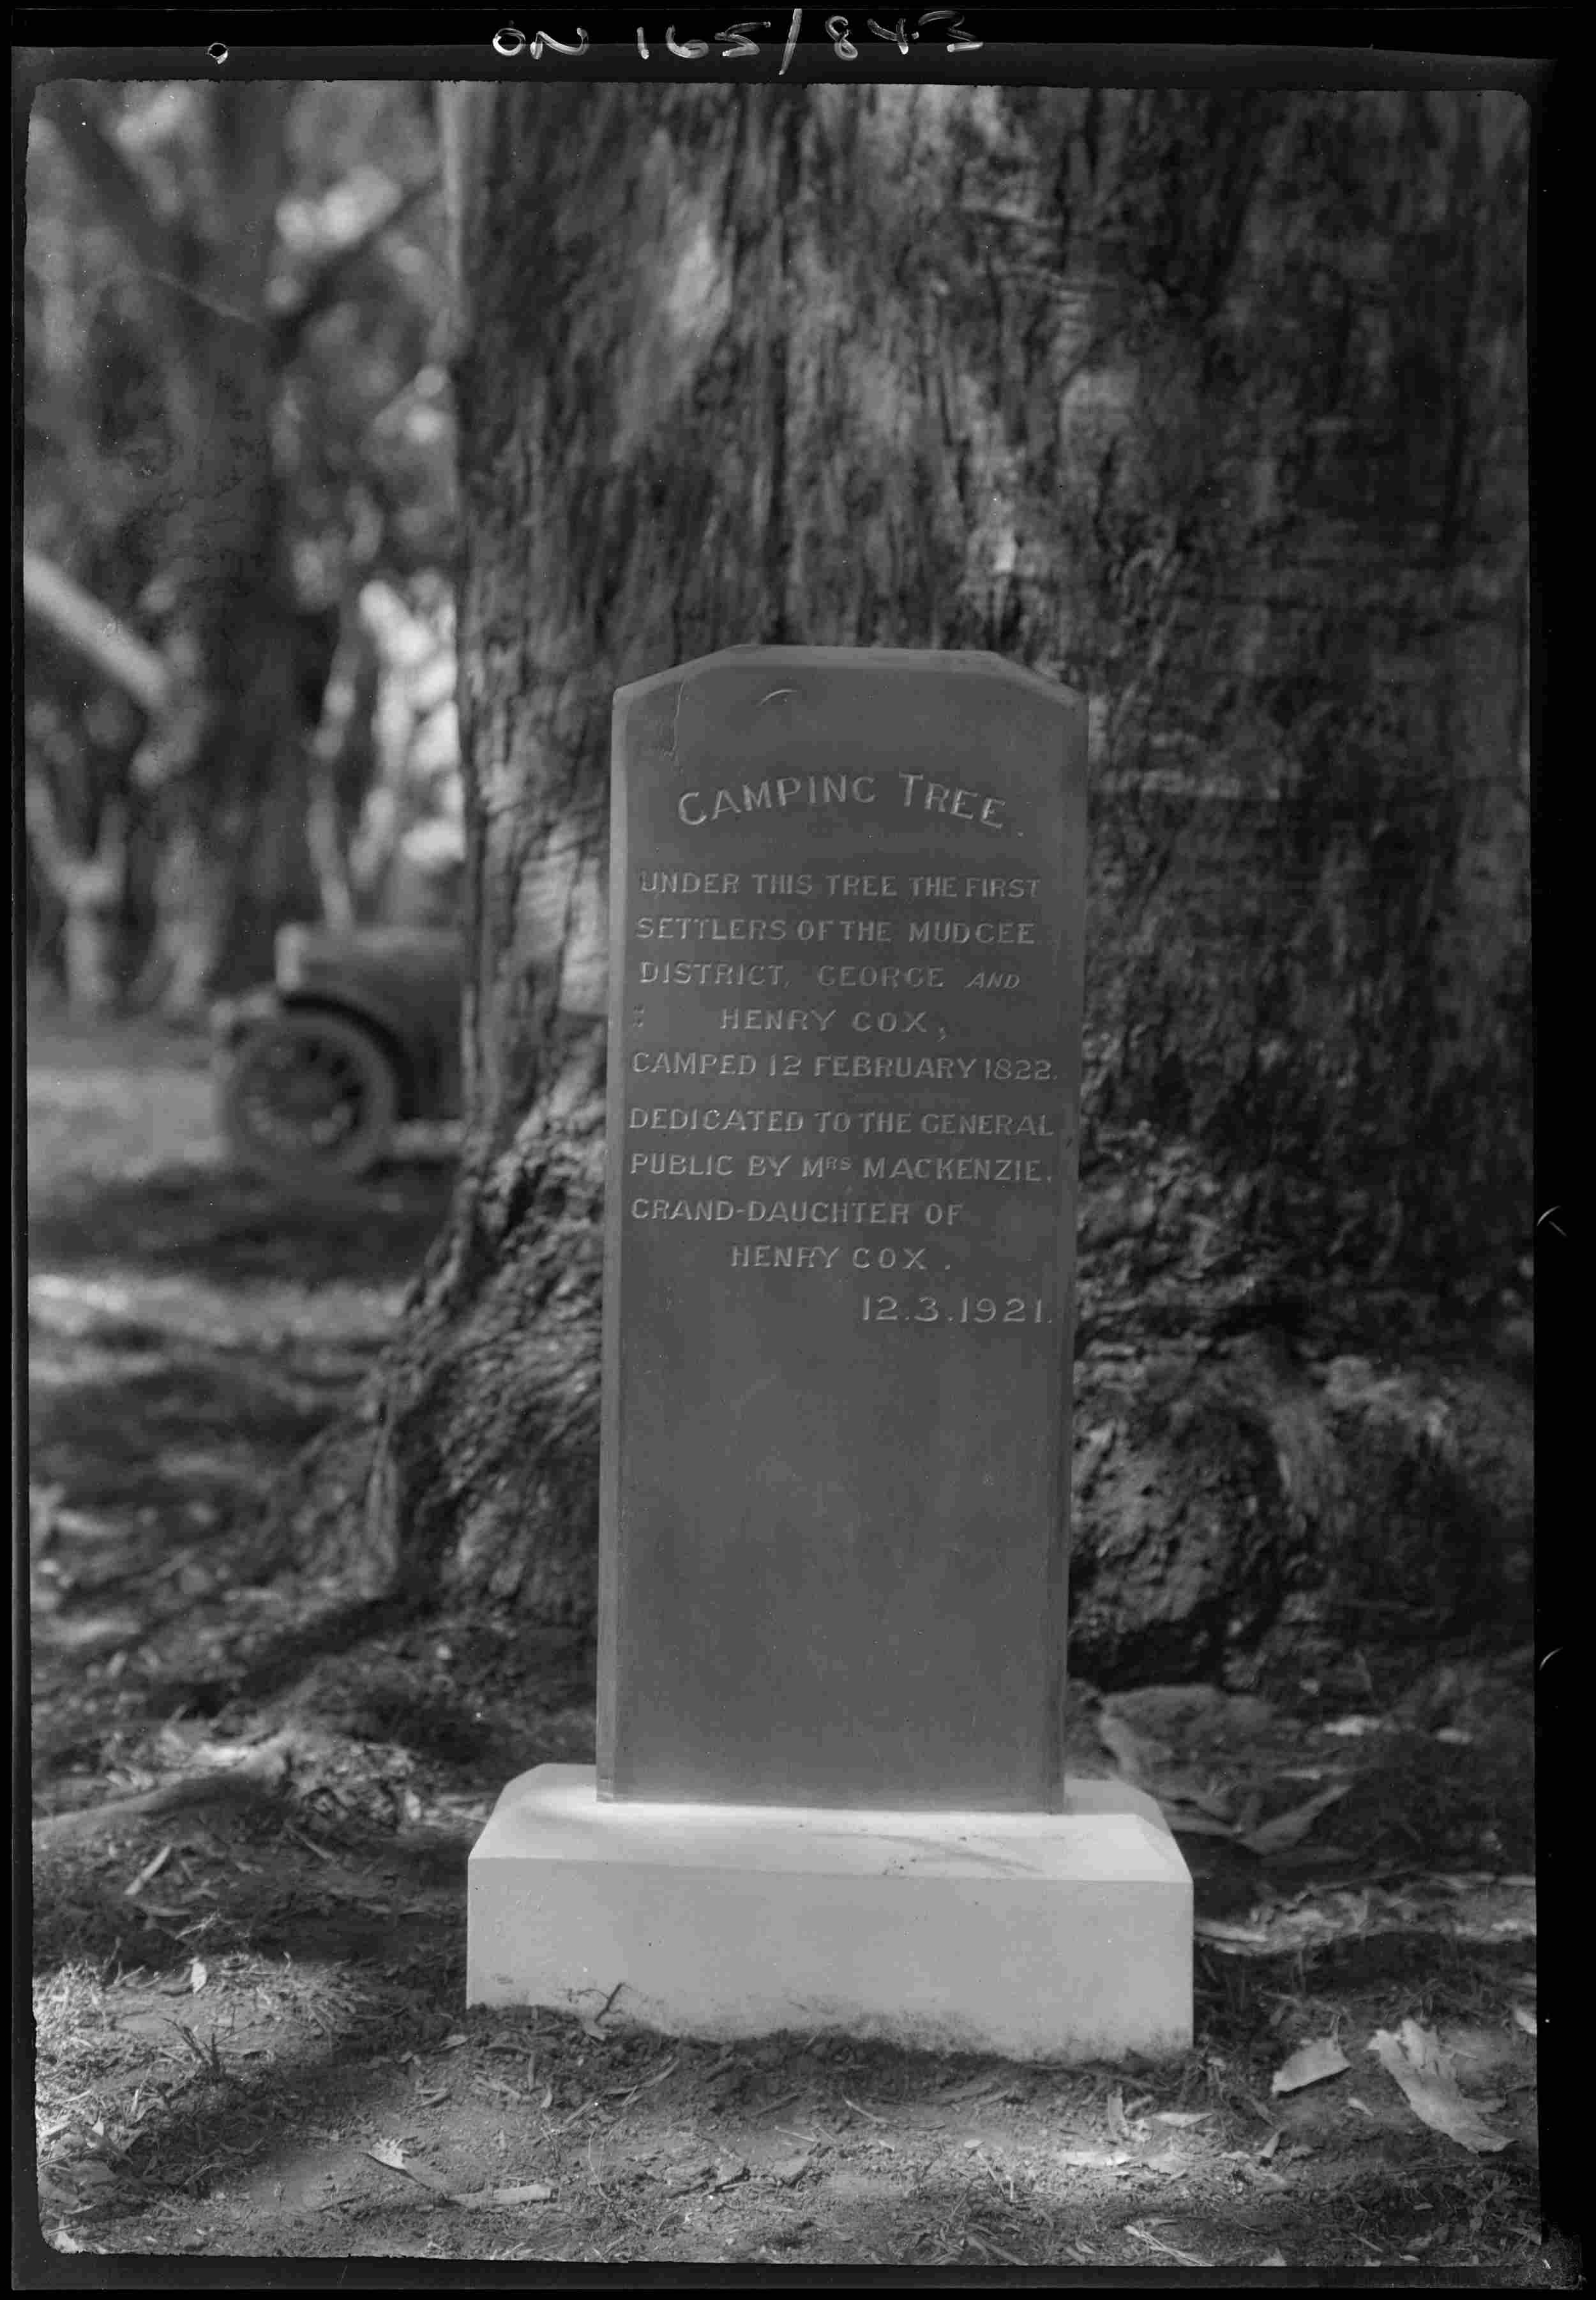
point(359, 1033)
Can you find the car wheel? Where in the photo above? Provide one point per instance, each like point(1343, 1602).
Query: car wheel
point(307, 1098)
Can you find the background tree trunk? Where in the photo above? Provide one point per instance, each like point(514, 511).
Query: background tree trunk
point(224, 754)
point(1211, 406)
point(89, 889)
point(89, 879)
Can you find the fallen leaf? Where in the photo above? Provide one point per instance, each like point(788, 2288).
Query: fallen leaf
point(152, 1868)
point(1114, 2115)
point(1352, 1729)
point(1084, 2156)
point(1181, 2116)
point(789, 2168)
point(1224, 1936)
point(197, 1977)
point(1362, 2107)
point(453, 2043)
point(391, 2156)
point(1311, 2063)
point(1421, 2066)
point(1273, 2260)
point(1271, 2143)
point(529, 2192)
point(1288, 1829)
point(1526, 2021)
point(1455, 1737)
point(730, 2171)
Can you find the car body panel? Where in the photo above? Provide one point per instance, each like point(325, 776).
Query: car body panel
point(403, 983)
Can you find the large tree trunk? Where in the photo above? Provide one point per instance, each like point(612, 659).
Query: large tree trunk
point(1211, 406)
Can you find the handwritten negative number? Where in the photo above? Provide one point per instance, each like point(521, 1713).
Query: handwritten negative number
point(958, 41)
point(735, 42)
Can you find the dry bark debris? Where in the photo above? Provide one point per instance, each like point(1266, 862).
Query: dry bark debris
point(1424, 2068)
point(1287, 1831)
point(1311, 2063)
point(232, 1776)
point(392, 2157)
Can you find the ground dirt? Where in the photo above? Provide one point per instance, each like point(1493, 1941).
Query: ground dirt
point(254, 1801)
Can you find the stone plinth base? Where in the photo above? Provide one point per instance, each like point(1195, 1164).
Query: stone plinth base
point(1037, 1935)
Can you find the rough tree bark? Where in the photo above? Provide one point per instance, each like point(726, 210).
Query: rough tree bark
point(1209, 405)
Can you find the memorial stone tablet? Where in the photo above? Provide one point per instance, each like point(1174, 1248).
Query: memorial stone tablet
point(846, 912)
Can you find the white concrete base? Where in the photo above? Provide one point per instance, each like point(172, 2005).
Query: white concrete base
point(1038, 1936)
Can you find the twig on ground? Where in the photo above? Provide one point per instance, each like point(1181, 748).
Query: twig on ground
point(1145, 2235)
point(658, 2078)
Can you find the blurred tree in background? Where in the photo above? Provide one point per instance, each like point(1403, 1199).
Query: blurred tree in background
point(1212, 405)
point(236, 477)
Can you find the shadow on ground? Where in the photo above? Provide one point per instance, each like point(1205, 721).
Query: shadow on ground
point(253, 1803)
point(232, 1229)
point(290, 2073)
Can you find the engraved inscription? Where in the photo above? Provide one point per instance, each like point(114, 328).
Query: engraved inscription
point(779, 794)
point(942, 1115)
